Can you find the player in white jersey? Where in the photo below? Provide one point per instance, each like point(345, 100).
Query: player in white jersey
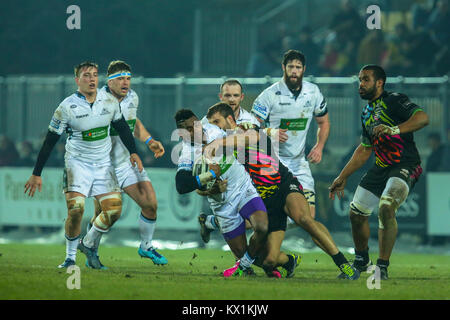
point(86, 116)
point(231, 93)
point(134, 183)
point(238, 202)
point(291, 104)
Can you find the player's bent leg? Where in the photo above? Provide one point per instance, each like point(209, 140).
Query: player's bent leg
point(144, 195)
point(393, 196)
point(274, 257)
point(297, 208)
point(111, 204)
point(237, 241)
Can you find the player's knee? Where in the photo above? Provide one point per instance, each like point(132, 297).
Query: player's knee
point(111, 210)
point(75, 208)
point(149, 208)
point(387, 208)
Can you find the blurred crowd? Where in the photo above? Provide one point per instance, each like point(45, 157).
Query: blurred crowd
point(415, 46)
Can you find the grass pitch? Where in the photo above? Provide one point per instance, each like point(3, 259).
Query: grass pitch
point(29, 272)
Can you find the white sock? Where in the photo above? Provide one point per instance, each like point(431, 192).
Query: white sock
point(146, 229)
point(246, 261)
point(210, 222)
point(93, 237)
point(97, 240)
point(71, 247)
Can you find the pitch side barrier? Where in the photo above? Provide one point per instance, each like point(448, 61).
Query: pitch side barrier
point(425, 212)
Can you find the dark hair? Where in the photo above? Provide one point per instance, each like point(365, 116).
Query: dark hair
point(117, 65)
point(378, 72)
point(230, 82)
point(182, 115)
point(86, 64)
point(434, 136)
point(223, 108)
point(293, 55)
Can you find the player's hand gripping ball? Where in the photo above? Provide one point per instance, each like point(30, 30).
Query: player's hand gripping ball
point(201, 170)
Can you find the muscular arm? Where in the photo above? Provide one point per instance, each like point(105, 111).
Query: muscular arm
point(358, 159)
point(143, 135)
point(416, 122)
point(140, 132)
point(323, 131)
point(360, 156)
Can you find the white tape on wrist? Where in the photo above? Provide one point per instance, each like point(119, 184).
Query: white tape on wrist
point(395, 130)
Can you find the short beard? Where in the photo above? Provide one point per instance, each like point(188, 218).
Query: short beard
point(293, 85)
point(369, 95)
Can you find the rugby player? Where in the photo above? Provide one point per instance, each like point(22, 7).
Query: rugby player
point(134, 183)
point(230, 92)
point(388, 122)
point(291, 104)
point(240, 200)
point(280, 190)
point(87, 116)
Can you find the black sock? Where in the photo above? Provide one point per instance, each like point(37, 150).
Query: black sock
point(339, 259)
point(288, 264)
point(383, 263)
point(362, 257)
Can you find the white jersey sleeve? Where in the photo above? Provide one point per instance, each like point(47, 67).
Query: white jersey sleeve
point(185, 161)
point(263, 104)
point(320, 108)
point(59, 121)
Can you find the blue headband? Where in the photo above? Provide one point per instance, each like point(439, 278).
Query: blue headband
point(119, 74)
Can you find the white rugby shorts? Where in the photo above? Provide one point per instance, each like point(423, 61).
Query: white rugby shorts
point(89, 179)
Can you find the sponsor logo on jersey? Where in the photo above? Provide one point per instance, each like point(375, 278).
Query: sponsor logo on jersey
point(131, 106)
point(104, 111)
point(82, 116)
point(55, 123)
point(260, 109)
point(284, 103)
point(73, 106)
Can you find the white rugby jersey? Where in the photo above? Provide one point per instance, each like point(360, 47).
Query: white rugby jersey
point(279, 108)
point(87, 127)
point(232, 170)
point(128, 106)
point(244, 116)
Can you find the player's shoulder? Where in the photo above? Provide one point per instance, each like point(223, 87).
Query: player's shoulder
point(133, 95)
point(212, 132)
point(71, 101)
point(273, 90)
point(394, 97)
point(310, 87)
